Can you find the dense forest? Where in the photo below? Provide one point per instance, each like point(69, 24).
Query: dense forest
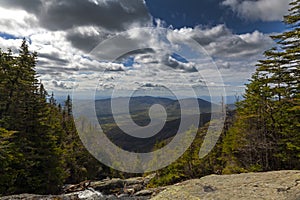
point(266, 131)
point(40, 150)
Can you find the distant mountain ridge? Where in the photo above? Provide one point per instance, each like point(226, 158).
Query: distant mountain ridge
point(139, 112)
point(142, 103)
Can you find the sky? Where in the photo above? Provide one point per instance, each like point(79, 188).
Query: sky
point(76, 41)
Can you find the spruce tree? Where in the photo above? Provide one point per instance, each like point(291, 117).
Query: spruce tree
point(80, 164)
point(266, 133)
point(37, 136)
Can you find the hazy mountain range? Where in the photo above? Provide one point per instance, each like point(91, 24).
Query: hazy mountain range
point(139, 112)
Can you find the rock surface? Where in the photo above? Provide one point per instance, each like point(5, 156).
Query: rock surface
point(279, 185)
point(127, 189)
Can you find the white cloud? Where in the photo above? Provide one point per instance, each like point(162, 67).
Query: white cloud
point(62, 50)
point(220, 42)
point(265, 10)
point(240, 46)
point(63, 85)
point(12, 44)
point(18, 23)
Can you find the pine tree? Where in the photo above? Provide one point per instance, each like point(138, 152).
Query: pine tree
point(9, 157)
point(25, 111)
point(40, 149)
point(266, 132)
point(80, 164)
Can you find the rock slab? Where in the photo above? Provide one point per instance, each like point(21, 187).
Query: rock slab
point(278, 185)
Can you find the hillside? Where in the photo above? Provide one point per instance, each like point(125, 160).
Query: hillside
point(139, 110)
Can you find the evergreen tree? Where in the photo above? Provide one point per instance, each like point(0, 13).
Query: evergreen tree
point(40, 149)
point(189, 165)
point(37, 137)
point(80, 164)
point(9, 156)
point(266, 133)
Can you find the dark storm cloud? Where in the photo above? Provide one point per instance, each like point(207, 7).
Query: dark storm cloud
point(150, 85)
point(113, 15)
point(54, 57)
point(86, 42)
point(119, 69)
point(175, 64)
point(32, 6)
point(54, 70)
point(53, 74)
point(136, 52)
point(108, 16)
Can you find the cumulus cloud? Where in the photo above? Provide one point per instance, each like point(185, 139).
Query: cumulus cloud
point(232, 53)
point(114, 67)
point(65, 14)
point(63, 85)
point(18, 23)
point(64, 31)
point(235, 55)
point(54, 57)
point(12, 44)
point(86, 23)
point(239, 46)
point(219, 41)
point(87, 37)
point(137, 52)
point(265, 10)
point(177, 65)
point(205, 36)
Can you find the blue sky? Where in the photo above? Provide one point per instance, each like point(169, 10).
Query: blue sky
point(191, 13)
point(232, 33)
point(8, 36)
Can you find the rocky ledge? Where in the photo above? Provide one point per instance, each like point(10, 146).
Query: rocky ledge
point(115, 188)
point(278, 185)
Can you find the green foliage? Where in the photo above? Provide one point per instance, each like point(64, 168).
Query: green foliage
point(189, 165)
point(265, 135)
point(38, 134)
point(40, 149)
point(80, 165)
point(8, 157)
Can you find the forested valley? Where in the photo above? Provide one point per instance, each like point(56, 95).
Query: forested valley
point(40, 150)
